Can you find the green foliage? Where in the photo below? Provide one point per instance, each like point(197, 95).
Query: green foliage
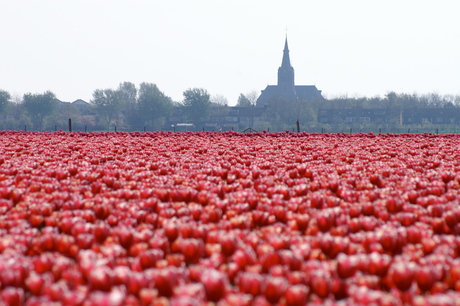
point(243, 101)
point(149, 107)
point(129, 108)
point(39, 106)
point(393, 100)
point(66, 111)
point(108, 104)
point(248, 99)
point(394, 106)
point(4, 99)
point(153, 104)
point(196, 104)
point(219, 101)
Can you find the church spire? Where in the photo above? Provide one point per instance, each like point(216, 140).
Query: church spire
point(286, 72)
point(286, 61)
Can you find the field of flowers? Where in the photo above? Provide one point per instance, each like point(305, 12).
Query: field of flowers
point(229, 219)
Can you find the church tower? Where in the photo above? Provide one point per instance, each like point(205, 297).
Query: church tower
point(286, 74)
point(286, 89)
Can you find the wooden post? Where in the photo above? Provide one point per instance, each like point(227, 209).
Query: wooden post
point(298, 126)
point(70, 125)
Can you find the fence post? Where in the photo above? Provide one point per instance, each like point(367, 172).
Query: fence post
point(70, 125)
point(115, 128)
point(298, 126)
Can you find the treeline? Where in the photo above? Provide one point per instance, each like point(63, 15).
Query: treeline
point(394, 100)
point(146, 107)
point(282, 115)
point(127, 106)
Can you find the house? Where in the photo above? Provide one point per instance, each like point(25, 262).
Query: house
point(431, 115)
point(79, 104)
point(353, 115)
point(221, 118)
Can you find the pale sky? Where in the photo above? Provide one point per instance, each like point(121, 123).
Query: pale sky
point(353, 47)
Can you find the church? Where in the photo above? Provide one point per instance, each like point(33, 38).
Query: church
point(286, 88)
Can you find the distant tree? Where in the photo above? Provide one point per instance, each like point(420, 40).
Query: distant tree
point(129, 107)
point(4, 99)
point(252, 96)
point(153, 104)
point(248, 99)
point(108, 103)
point(66, 111)
point(17, 116)
point(456, 100)
point(196, 104)
point(243, 101)
point(219, 100)
point(39, 106)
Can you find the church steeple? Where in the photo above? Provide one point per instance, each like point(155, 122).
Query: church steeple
point(286, 90)
point(286, 61)
point(286, 73)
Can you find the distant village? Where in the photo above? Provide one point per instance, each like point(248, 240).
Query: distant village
point(281, 107)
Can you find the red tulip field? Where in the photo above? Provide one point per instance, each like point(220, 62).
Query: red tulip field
point(229, 219)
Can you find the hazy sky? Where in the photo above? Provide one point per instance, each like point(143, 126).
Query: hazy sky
point(227, 47)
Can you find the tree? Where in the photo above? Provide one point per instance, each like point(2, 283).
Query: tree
point(39, 106)
point(248, 99)
point(153, 104)
point(108, 103)
point(252, 96)
point(66, 111)
point(219, 100)
point(17, 116)
point(129, 102)
point(196, 104)
point(243, 101)
point(4, 99)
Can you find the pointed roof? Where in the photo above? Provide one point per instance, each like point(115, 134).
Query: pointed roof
point(286, 61)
